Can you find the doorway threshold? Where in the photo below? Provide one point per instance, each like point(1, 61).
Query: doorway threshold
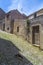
point(36, 45)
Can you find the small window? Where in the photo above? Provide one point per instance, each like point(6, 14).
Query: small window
point(17, 29)
point(4, 27)
point(7, 16)
point(8, 28)
point(35, 15)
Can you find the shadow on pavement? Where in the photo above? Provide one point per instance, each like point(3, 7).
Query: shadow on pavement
point(9, 54)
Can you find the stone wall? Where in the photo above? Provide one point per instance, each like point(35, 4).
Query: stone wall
point(40, 12)
point(34, 22)
point(21, 23)
point(41, 36)
point(7, 25)
point(35, 14)
point(22, 27)
point(1, 23)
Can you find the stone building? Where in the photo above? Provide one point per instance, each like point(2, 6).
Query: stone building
point(15, 22)
point(2, 19)
point(36, 28)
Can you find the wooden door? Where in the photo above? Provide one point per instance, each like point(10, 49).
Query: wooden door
point(35, 35)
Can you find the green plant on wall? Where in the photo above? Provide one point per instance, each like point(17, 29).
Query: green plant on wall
point(28, 26)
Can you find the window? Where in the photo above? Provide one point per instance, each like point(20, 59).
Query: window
point(17, 29)
point(35, 15)
point(12, 25)
point(8, 28)
point(4, 27)
point(7, 16)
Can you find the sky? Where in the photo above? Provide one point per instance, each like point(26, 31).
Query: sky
point(24, 6)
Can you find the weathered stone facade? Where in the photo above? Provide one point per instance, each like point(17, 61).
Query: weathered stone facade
point(21, 24)
point(7, 25)
point(2, 19)
point(2, 24)
point(36, 29)
point(12, 22)
point(15, 22)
